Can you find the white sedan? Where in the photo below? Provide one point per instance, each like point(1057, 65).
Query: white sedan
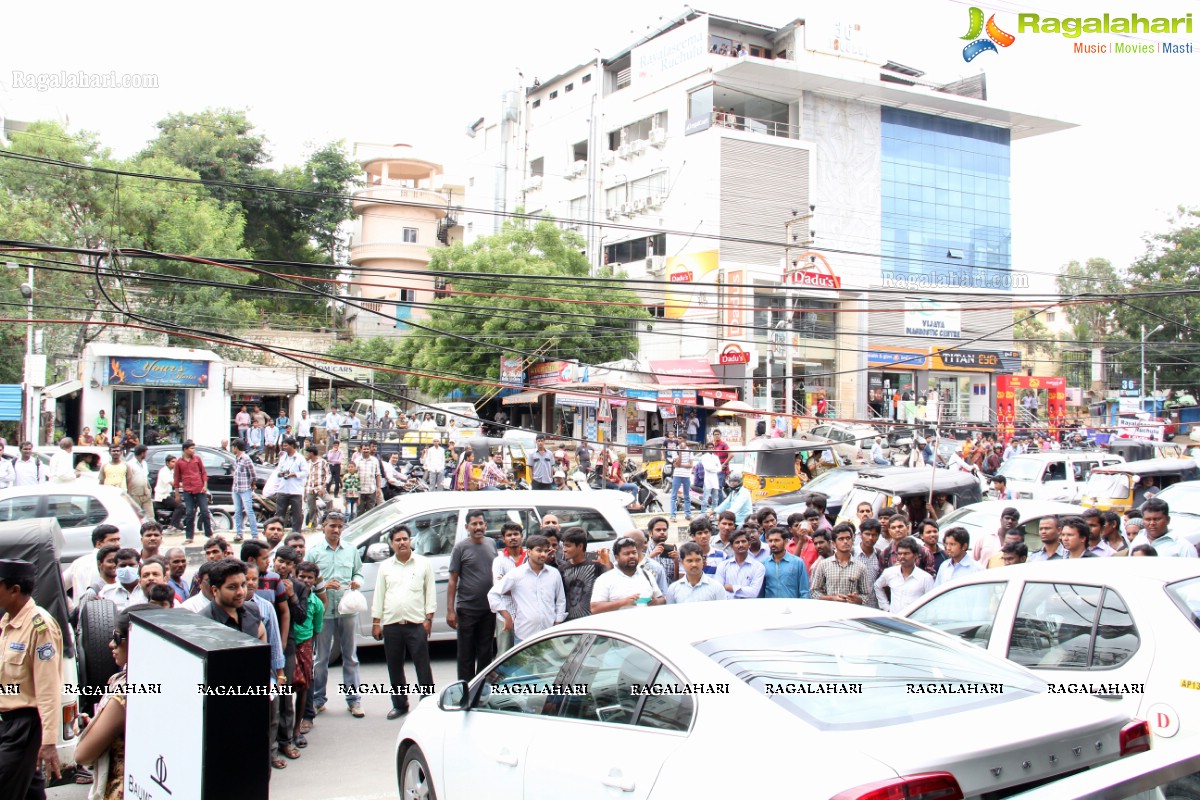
point(644, 702)
point(1125, 628)
point(79, 506)
point(983, 518)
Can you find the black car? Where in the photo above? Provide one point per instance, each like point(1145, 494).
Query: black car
point(217, 463)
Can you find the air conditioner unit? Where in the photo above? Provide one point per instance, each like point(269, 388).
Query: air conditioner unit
point(628, 209)
point(658, 137)
point(638, 147)
point(623, 151)
point(608, 159)
point(612, 213)
point(656, 201)
point(642, 203)
point(533, 183)
point(578, 168)
point(656, 265)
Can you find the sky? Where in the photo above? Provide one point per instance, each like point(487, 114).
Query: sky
point(419, 73)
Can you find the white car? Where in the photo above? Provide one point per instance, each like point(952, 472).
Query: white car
point(1107, 623)
point(438, 520)
point(643, 702)
point(79, 506)
point(1057, 476)
point(983, 518)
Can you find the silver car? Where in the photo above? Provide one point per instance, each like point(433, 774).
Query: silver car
point(79, 506)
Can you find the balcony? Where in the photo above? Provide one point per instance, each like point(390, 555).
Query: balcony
point(390, 251)
point(737, 122)
point(393, 194)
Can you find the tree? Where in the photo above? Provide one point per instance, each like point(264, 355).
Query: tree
point(1091, 321)
point(522, 260)
point(1163, 290)
point(1031, 331)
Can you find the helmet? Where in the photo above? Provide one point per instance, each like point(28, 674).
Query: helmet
point(734, 480)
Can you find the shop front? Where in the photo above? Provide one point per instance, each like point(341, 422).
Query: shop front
point(164, 395)
point(272, 389)
point(893, 378)
point(963, 380)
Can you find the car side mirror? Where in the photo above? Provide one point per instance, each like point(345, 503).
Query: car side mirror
point(378, 552)
point(228, 468)
point(454, 697)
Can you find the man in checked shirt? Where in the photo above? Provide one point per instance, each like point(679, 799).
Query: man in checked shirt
point(316, 482)
point(840, 577)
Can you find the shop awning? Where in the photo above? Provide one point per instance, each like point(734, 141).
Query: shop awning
point(675, 372)
point(522, 398)
point(61, 389)
point(262, 380)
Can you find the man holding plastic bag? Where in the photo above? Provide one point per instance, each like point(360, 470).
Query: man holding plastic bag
point(341, 573)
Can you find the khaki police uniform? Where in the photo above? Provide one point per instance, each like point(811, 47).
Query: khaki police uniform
point(30, 697)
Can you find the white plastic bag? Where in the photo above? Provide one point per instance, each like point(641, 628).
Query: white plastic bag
point(271, 488)
point(353, 602)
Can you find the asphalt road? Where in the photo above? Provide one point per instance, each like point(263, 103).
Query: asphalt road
point(346, 758)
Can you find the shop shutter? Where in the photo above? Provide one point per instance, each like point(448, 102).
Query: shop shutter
point(10, 401)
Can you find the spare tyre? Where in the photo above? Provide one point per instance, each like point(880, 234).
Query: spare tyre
point(97, 621)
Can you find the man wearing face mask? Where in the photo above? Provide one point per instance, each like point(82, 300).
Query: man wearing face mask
point(122, 592)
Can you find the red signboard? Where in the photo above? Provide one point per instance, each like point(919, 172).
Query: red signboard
point(681, 277)
point(811, 270)
point(718, 394)
point(732, 354)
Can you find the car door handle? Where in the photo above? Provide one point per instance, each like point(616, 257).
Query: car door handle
point(506, 757)
point(616, 780)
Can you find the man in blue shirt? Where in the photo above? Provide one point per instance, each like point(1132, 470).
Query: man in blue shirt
point(786, 574)
point(738, 501)
point(959, 563)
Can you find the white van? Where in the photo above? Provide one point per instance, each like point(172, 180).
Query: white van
point(1057, 476)
point(438, 520)
point(362, 407)
point(457, 422)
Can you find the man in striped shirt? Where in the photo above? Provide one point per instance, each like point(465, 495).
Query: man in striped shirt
point(316, 482)
point(701, 532)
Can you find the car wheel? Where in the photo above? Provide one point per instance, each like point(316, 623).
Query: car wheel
point(415, 781)
point(222, 521)
point(97, 621)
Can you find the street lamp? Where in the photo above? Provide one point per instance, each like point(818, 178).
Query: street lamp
point(1142, 382)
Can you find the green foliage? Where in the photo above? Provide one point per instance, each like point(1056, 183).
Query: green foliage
point(1094, 322)
point(1170, 265)
point(527, 253)
point(1033, 332)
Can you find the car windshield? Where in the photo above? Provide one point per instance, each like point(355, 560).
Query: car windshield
point(1186, 595)
point(375, 519)
point(1112, 485)
point(833, 484)
point(969, 518)
point(1183, 498)
point(810, 670)
point(1022, 469)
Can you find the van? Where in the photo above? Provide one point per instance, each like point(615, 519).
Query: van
point(363, 407)
point(1057, 476)
point(438, 521)
point(456, 422)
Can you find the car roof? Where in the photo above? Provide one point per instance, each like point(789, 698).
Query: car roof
point(1094, 570)
point(1027, 508)
point(419, 501)
point(685, 623)
point(1057, 455)
point(907, 479)
point(1152, 466)
point(78, 486)
point(811, 443)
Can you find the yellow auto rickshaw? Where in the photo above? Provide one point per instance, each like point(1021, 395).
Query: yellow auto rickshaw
point(515, 460)
point(1119, 487)
point(777, 466)
point(654, 458)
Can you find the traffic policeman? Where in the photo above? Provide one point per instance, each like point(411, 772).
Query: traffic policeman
point(30, 686)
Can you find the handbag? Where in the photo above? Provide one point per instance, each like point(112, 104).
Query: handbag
point(271, 488)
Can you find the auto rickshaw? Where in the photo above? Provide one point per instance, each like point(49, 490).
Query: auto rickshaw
point(654, 458)
point(772, 467)
point(1123, 486)
point(515, 460)
point(412, 444)
point(909, 488)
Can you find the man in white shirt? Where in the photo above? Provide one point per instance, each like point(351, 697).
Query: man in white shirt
point(899, 586)
point(62, 463)
point(434, 462)
point(627, 585)
point(534, 592)
point(203, 596)
point(292, 471)
point(28, 471)
point(85, 571)
point(303, 429)
point(126, 591)
point(8, 476)
point(333, 425)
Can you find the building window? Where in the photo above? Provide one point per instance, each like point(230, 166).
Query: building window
point(636, 130)
point(404, 303)
point(635, 249)
point(1050, 316)
point(537, 167)
point(471, 181)
point(375, 307)
point(537, 103)
point(579, 151)
point(410, 235)
point(658, 312)
point(586, 78)
point(570, 87)
point(554, 94)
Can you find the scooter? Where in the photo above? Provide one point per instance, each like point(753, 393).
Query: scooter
point(648, 497)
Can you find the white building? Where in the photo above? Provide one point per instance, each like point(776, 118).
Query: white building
point(766, 199)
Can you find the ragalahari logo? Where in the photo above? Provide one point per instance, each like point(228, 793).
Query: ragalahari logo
point(995, 36)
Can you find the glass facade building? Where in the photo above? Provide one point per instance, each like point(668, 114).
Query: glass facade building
point(945, 204)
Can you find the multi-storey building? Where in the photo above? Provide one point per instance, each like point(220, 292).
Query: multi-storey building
point(800, 213)
point(404, 208)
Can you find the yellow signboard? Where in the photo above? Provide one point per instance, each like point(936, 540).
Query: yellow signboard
point(693, 287)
